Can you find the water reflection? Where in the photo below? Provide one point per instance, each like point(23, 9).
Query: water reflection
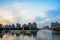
point(29, 35)
point(55, 35)
point(44, 35)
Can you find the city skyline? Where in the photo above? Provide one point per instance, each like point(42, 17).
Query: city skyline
point(43, 12)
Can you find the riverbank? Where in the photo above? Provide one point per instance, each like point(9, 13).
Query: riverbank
point(56, 29)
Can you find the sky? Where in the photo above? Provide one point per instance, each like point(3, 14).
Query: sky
point(43, 12)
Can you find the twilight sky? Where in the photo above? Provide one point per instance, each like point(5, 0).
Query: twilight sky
point(43, 12)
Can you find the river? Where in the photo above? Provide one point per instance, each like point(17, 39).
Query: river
point(34, 35)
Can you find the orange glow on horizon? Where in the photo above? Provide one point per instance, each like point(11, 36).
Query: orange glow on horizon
point(3, 22)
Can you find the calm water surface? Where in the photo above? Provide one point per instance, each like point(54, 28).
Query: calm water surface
point(34, 35)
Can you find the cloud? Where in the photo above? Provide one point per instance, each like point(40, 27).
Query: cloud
point(12, 11)
point(24, 12)
point(44, 21)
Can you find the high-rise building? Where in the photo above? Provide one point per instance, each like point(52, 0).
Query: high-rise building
point(25, 26)
point(30, 25)
point(46, 27)
point(13, 26)
point(18, 25)
point(55, 25)
point(34, 25)
point(0, 25)
point(8, 26)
